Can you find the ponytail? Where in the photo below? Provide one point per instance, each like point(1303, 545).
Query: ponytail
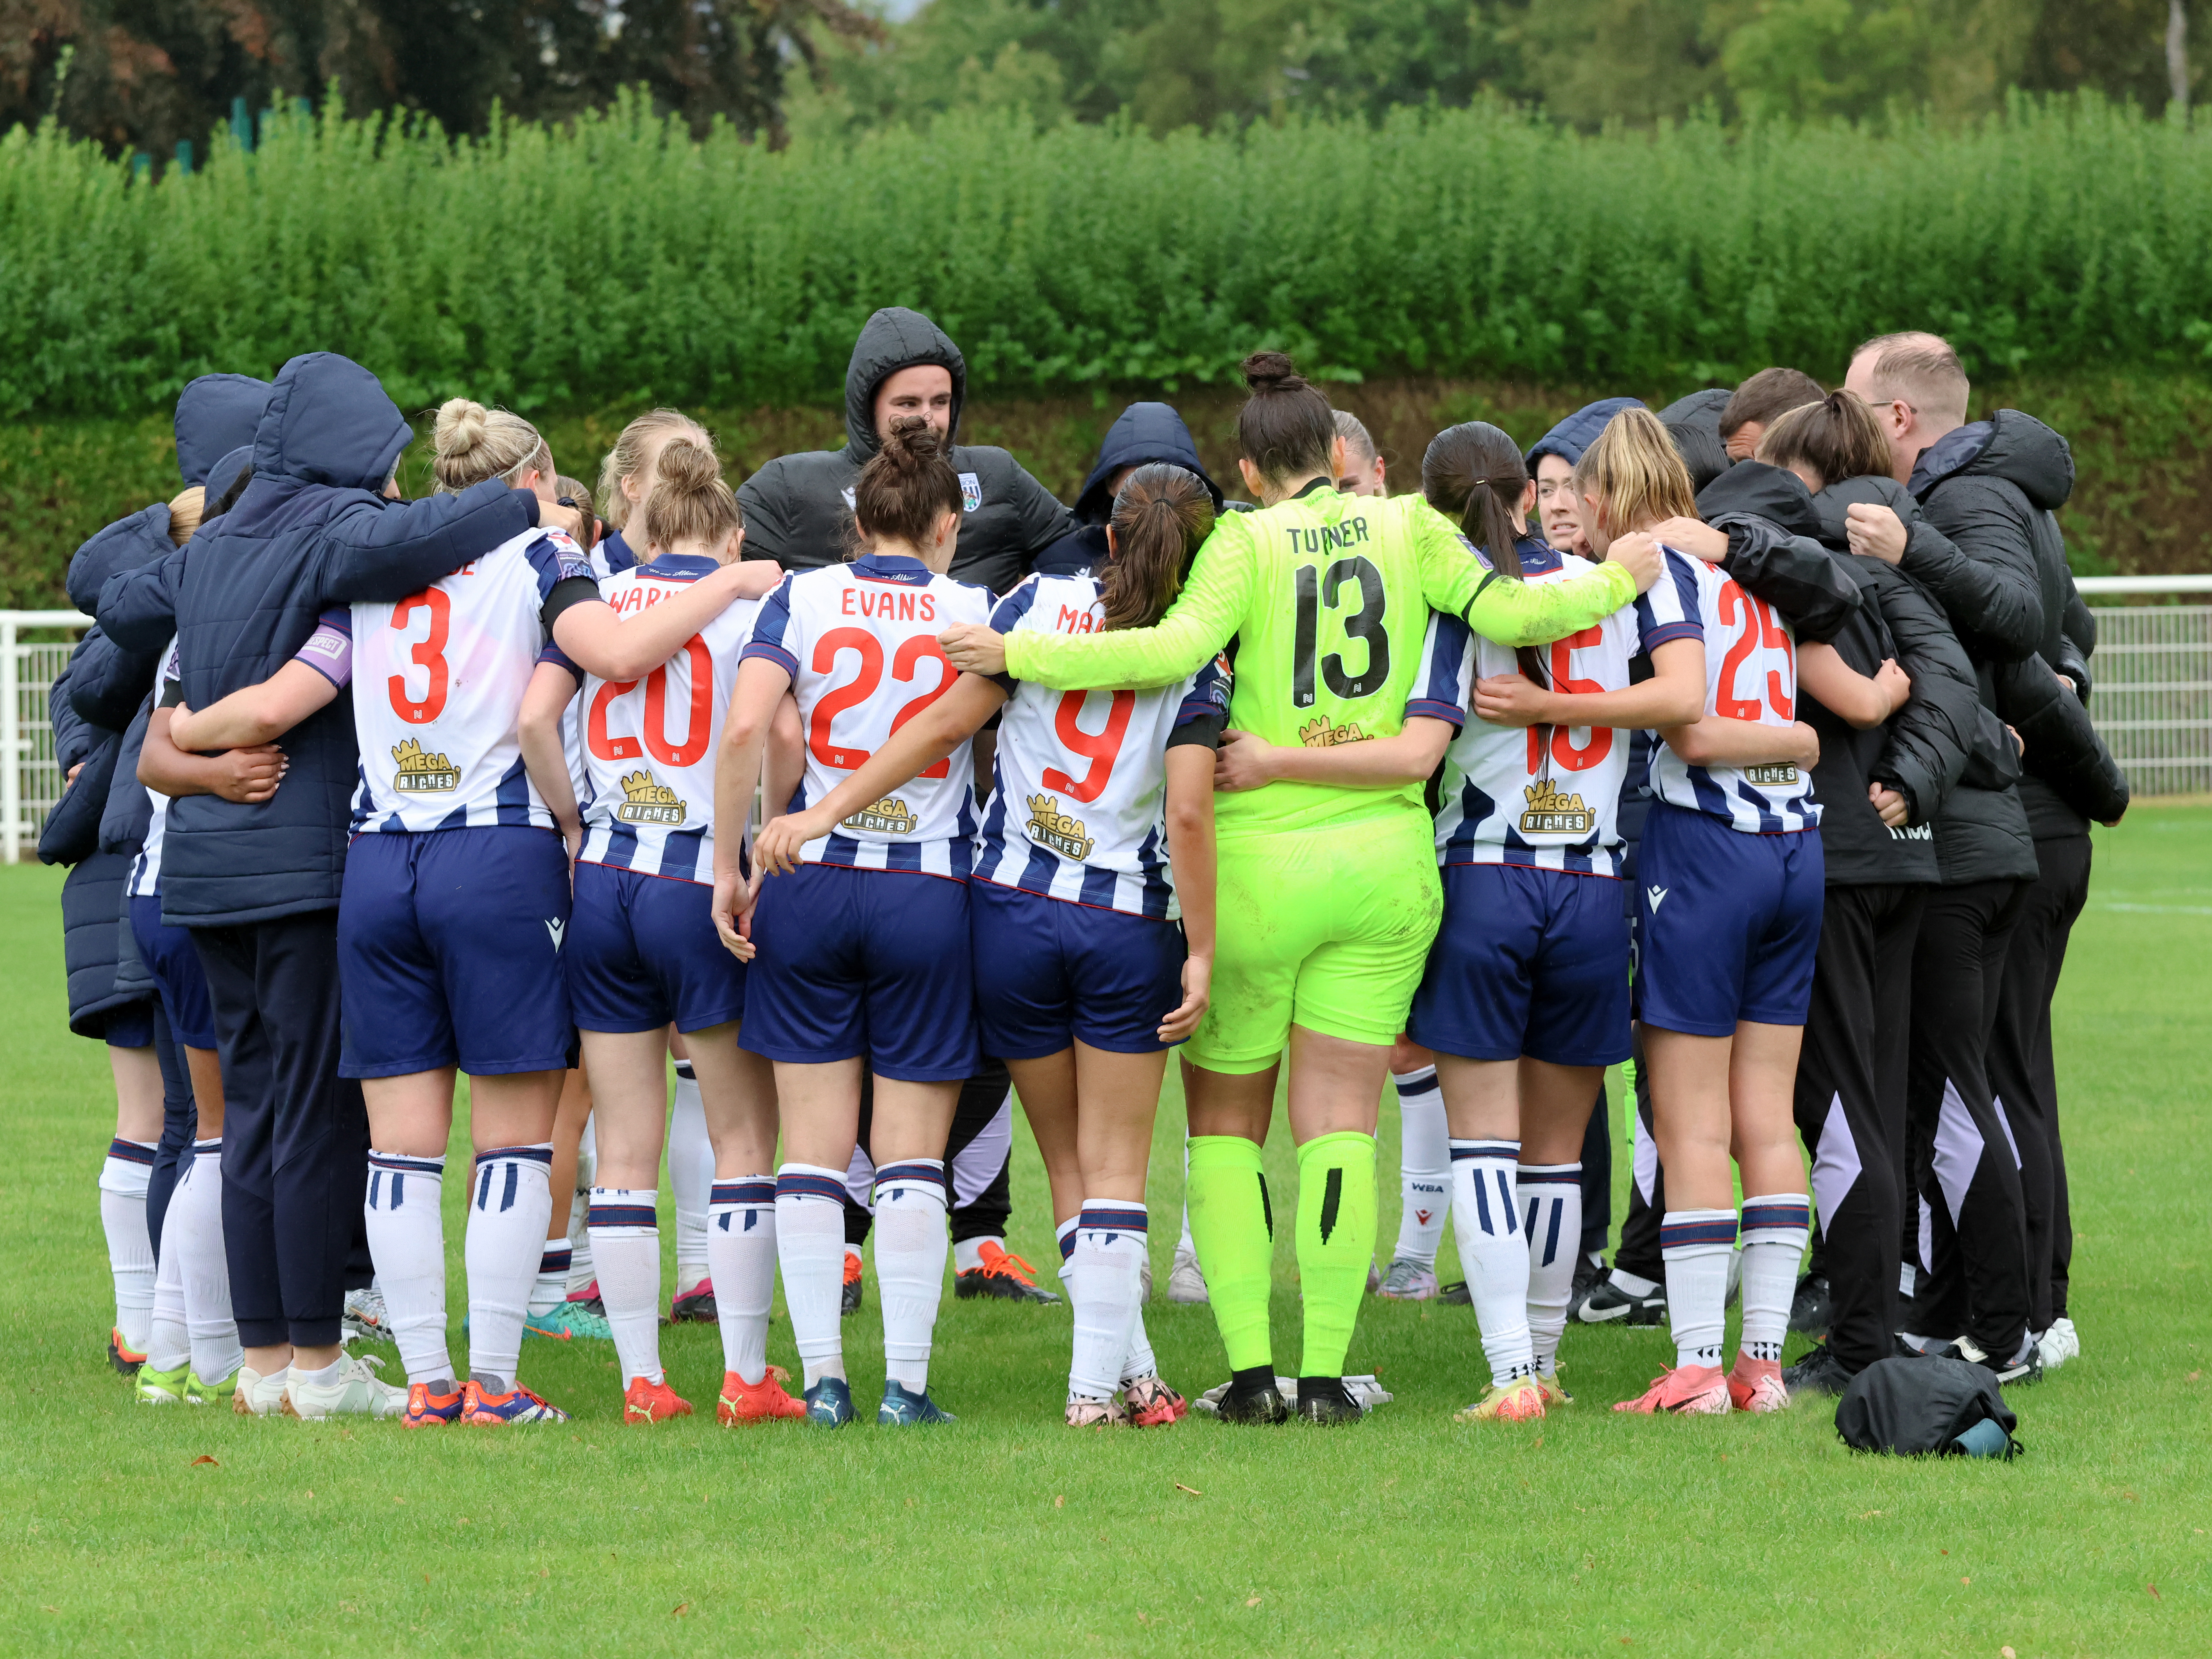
point(633, 447)
point(1161, 515)
point(186, 513)
point(1469, 472)
point(1286, 428)
point(1635, 474)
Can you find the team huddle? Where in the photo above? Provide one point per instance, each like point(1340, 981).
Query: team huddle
point(1745, 741)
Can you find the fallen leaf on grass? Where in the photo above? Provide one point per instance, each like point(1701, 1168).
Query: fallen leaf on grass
point(43, 1608)
point(204, 1458)
point(679, 1610)
point(1869, 1515)
point(426, 1577)
point(1060, 1502)
point(1540, 1443)
point(1192, 1491)
point(2154, 1596)
point(1250, 1602)
point(1966, 1580)
point(2194, 1377)
point(2006, 1652)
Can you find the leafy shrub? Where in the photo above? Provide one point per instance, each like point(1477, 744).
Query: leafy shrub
point(617, 261)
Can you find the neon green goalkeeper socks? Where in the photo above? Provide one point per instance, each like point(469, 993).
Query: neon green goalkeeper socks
point(1335, 1242)
point(1233, 1229)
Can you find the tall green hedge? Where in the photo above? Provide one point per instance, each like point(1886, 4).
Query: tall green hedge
point(617, 260)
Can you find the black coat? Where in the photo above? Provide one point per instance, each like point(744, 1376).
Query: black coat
point(799, 508)
point(1140, 434)
point(2072, 777)
point(311, 529)
point(1992, 488)
point(1694, 423)
point(1774, 550)
point(1981, 827)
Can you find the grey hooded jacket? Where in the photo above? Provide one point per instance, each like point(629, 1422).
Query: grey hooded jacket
point(799, 508)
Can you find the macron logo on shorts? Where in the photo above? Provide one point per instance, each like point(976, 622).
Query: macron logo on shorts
point(1655, 894)
point(557, 929)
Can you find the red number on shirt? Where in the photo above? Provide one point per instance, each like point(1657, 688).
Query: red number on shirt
point(596, 736)
point(837, 700)
point(1756, 625)
point(426, 653)
point(693, 745)
point(1566, 753)
point(908, 659)
point(1101, 749)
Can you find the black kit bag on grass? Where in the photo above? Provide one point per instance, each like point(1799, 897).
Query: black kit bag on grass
point(1917, 1407)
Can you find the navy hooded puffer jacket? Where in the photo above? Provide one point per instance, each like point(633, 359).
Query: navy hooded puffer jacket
point(1571, 437)
point(311, 531)
point(1141, 435)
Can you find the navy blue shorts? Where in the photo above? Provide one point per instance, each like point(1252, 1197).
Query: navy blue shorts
point(129, 1024)
point(1727, 923)
point(864, 962)
point(175, 962)
point(642, 952)
point(1527, 962)
point(1050, 973)
point(449, 953)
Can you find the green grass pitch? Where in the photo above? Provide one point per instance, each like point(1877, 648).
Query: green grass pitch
point(1009, 1533)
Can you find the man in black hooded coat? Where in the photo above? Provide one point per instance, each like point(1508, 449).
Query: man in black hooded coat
point(799, 511)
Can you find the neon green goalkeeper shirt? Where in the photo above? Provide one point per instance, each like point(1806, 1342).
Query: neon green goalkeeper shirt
point(1328, 597)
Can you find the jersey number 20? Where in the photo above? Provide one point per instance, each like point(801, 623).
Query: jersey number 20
point(1316, 592)
point(698, 727)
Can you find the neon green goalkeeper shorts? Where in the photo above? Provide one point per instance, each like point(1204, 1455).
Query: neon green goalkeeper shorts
point(1327, 929)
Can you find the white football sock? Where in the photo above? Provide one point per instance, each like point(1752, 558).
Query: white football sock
point(1775, 1230)
point(551, 1288)
point(1492, 1252)
point(810, 1248)
point(1696, 1245)
point(168, 1342)
point(967, 1253)
point(407, 1237)
point(122, 1179)
point(1552, 1222)
point(910, 1250)
point(196, 1220)
point(741, 1257)
point(1105, 1279)
point(582, 1269)
point(1184, 1246)
point(1425, 1182)
point(508, 1214)
point(691, 1177)
point(626, 1240)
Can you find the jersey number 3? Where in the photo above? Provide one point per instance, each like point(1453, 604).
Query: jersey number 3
point(1317, 591)
point(428, 654)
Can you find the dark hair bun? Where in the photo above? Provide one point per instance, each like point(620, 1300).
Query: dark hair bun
point(913, 442)
point(1272, 371)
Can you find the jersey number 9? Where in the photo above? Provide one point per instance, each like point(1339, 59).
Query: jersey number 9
point(1315, 592)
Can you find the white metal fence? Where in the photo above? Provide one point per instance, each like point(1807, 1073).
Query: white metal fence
point(2152, 702)
point(30, 779)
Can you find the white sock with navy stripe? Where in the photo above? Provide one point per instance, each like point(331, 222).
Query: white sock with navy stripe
point(810, 1248)
point(1775, 1229)
point(1105, 1278)
point(1486, 1220)
point(626, 1244)
point(690, 1177)
point(195, 1218)
point(551, 1288)
point(122, 1180)
point(168, 1344)
point(911, 1247)
point(582, 1270)
point(1551, 1220)
point(1425, 1182)
point(407, 1237)
point(509, 1215)
point(741, 1257)
point(1696, 1244)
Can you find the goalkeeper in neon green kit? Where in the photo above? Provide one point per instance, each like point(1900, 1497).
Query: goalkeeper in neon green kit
point(1328, 892)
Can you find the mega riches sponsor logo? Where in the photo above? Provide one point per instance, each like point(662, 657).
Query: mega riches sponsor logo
point(887, 817)
point(1053, 827)
point(1780, 772)
point(645, 799)
point(420, 774)
point(1551, 813)
point(1320, 734)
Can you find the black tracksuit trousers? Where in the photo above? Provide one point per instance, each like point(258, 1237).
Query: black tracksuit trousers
point(1850, 1107)
point(2022, 1074)
point(1963, 1163)
point(179, 1122)
point(294, 1135)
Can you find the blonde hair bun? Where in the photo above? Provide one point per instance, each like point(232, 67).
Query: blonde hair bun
point(471, 444)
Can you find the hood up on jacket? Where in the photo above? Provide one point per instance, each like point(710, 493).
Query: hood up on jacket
point(893, 339)
point(123, 545)
point(216, 414)
point(1141, 434)
point(1694, 423)
point(2011, 446)
point(329, 421)
point(1771, 493)
point(234, 469)
point(1571, 437)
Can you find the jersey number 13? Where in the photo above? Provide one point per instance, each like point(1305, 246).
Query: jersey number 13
point(1317, 591)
